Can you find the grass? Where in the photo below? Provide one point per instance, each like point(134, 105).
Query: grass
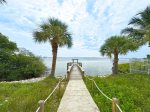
point(19, 97)
point(132, 90)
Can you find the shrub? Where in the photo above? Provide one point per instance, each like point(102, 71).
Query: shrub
point(148, 56)
point(123, 68)
point(18, 66)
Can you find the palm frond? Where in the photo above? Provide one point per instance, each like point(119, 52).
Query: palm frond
point(55, 31)
point(123, 44)
point(40, 36)
point(137, 22)
point(136, 33)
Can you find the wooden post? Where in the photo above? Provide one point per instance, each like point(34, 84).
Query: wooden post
point(41, 104)
point(114, 107)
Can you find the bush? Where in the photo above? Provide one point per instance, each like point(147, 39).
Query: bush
point(123, 68)
point(132, 91)
point(148, 56)
point(18, 66)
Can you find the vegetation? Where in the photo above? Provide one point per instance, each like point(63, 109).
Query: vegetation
point(140, 27)
point(132, 90)
point(148, 56)
point(116, 45)
point(24, 97)
point(17, 65)
point(6, 45)
point(55, 32)
point(123, 68)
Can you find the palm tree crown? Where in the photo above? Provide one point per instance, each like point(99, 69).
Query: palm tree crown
point(55, 32)
point(140, 27)
point(122, 44)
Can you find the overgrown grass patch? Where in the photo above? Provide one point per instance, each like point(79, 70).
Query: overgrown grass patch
point(132, 90)
point(24, 97)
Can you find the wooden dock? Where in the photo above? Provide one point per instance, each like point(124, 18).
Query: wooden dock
point(76, 97)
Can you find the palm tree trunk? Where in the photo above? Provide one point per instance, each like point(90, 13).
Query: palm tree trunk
point(115, 63)
point(54, 53)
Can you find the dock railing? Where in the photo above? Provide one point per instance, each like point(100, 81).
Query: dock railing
point(42, 102)
point(115, 104)
point(70, 66)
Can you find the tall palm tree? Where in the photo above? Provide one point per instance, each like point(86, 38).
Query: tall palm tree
point(2, 1)
point(56, 33)
point(116, 45)
point(140, 27)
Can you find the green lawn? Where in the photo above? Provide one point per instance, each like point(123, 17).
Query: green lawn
point(132, 90)
point(18, 97)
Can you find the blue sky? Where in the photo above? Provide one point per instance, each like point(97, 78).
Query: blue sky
point(91, 22)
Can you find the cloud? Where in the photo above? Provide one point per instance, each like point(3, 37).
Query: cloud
point(91, 22)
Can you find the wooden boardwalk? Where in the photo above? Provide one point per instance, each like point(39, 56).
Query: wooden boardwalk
point(76, 97)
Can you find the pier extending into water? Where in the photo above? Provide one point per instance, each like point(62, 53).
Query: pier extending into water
point(76, 97)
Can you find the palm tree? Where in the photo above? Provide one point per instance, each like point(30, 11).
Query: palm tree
point(116, 45)
point(140, 27)
point(2, 1)
point(56, 33)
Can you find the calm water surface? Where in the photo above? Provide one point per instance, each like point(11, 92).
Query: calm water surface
point(92, 66)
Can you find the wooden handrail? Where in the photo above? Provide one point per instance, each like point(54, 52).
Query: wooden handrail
point(68, 71)
point(42, 102)
point(81, 69)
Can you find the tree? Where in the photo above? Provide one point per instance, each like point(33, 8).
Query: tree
point(116, 45)
point(18, 64)
point(7, 45)
point(56, 33)
point(140, 27)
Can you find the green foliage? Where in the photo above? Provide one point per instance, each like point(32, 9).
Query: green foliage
point(24, 97)
point(122, 44)
point(140, 27)
point(123, 68)
point(16, 65)
point(148, 56)
point(132, 90)
point(115, 46)
point(55, 32)
point(7, 45)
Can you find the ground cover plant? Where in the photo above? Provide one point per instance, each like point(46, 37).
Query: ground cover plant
point(132, 90)
point(19, 97)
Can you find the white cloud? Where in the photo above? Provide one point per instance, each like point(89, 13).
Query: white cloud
point(89, 29)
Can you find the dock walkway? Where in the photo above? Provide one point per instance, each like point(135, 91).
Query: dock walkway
point(77, 97)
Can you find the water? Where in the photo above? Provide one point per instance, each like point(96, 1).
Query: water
point(91, 65)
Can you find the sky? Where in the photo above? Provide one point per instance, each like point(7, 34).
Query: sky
point(90, 22)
